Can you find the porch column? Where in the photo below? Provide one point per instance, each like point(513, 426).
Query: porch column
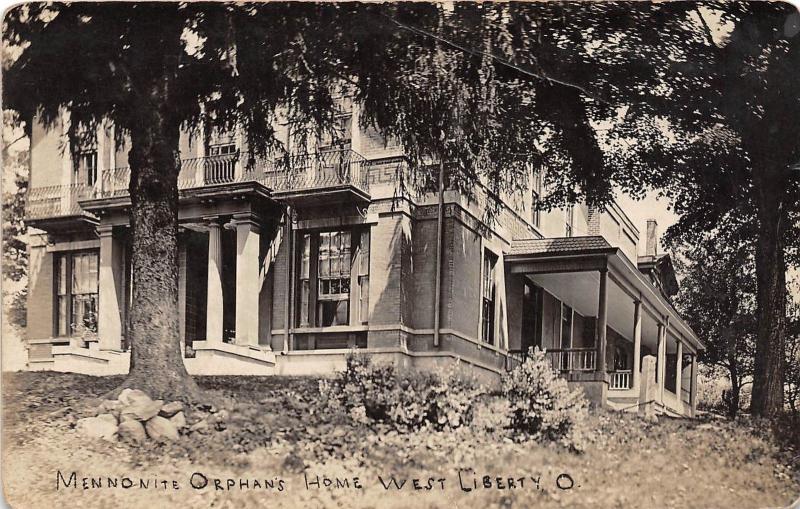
point(109, 322)
point(602, 320)
point(662, 351)
point(248, 280)
point(214, 300)
point(679, 372)
point(693, 385)
point(637, 343)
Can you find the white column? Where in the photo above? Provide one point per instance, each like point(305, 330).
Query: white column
point(602, 321)
point(214, 300)
point(248, 281)
point(662, 350)
point(679, 373)
point(109, 322)
point(637, 343)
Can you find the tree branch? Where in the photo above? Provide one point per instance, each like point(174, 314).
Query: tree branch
point(501, 61)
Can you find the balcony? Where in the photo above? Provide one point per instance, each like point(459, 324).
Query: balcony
point(322, 177)
point(295, 173)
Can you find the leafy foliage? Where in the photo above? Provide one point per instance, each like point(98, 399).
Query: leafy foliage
point(717, 298)
point(408, 401)
point(542, 405)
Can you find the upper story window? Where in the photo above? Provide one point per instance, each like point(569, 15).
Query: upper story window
point(334, 278)
point(569, 220)
point(488, 297)
point(340, 135)
point(85, 167)
point(84, 157)
point(222, 149)
point(536, 198)
point(76, 293)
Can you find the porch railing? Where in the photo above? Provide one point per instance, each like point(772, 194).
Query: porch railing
point(572, 359)
point(620, 380)
point(686, 395)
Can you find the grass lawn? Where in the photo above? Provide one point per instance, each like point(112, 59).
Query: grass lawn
point(276, 435)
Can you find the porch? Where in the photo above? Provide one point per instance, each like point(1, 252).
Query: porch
point(597, 318)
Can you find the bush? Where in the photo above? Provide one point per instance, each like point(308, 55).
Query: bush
point(377, 393)
point(541, 404)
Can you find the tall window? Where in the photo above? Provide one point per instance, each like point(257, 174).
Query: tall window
point(569, 219)
point(333, 278)
point(488, 295)
point(333, 306)
point(84, 157)
point(76, 293)
point(536, 198)
point(85, 167)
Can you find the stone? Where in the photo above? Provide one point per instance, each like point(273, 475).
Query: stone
point(131, 431)
point(128, 396)
point(143, 409)
point(108, 418)
point(179, 420)
point(199, 427)
point(161, 429)
point(171, 409)
point(97, 427)
point(220, 416)
point(109, 406)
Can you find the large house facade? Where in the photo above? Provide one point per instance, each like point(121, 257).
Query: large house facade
point(288, 264)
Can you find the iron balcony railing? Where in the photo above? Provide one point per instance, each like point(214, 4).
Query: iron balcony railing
point(56, 201)
point(297, 172)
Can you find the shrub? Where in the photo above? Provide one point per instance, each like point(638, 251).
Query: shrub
point(378, 393)
point(542, 405)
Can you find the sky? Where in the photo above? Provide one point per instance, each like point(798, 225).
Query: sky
point(651, 207)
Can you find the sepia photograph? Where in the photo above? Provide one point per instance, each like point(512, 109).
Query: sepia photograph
point(407, 254)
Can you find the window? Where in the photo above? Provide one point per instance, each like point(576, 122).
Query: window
point(488, 295)
point(84, 156)
point(333, 278)
point(566, 326)
point(85, 167)
point(340, 134)
point(569, 221)
point(536, 198)
point(222, 149)
point(76, 293)
point(333, 261)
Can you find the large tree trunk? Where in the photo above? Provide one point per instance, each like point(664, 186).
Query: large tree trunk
point(156, 361)
point(771, 300)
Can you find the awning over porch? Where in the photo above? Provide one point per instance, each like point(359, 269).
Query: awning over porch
point(558, 261)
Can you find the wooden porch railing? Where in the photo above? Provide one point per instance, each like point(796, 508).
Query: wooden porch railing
point(572, 359)
point(620, 380)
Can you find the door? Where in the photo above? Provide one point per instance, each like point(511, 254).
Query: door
point(531, 316)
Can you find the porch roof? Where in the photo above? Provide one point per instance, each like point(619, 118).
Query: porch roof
point(594, 253)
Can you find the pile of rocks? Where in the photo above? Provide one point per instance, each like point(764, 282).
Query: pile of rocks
point(134, 417)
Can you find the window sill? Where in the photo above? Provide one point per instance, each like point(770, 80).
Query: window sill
point(333, 329)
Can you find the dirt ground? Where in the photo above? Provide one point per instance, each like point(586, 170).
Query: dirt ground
point(278, 449)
